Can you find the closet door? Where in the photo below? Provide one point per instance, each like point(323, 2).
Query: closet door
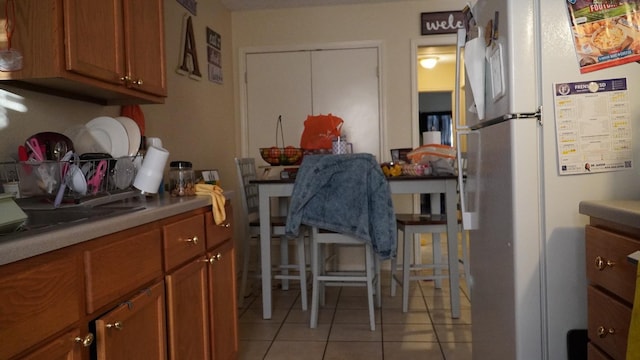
point(278, 83)
point(345, 83)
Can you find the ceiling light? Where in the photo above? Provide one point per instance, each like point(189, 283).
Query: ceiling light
point(428, 62)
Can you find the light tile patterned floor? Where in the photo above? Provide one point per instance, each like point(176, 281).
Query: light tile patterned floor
point(426, 331)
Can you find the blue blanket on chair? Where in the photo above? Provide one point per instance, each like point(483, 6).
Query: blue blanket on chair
point(347, 194)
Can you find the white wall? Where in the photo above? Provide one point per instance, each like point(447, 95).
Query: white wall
point(395, 24)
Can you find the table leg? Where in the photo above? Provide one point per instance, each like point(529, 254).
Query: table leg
point(452, 242)
point(265, 253)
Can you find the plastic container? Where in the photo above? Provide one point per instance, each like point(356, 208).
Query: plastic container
point(181, 178)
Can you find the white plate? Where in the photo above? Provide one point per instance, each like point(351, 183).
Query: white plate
point(133, 132)
point(83, 141)
point(110, 134)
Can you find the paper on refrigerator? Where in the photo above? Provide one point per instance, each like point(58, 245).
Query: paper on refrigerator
point(474, 64)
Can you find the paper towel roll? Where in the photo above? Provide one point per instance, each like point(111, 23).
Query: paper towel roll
point(431, 137)
point(149, 176)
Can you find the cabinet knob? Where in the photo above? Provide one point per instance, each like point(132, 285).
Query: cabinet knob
point(116, 325)
point(214, 258)
point(138, 82)
point(85, 341)
point(193, 240)
point(601, 263)
point(603, 332)
point(226, 225)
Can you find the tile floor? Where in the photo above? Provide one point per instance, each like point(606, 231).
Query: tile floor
point(426, 331)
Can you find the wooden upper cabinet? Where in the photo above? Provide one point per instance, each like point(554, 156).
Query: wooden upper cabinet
point(87, 21)
point(109, 52)
point(145, 58)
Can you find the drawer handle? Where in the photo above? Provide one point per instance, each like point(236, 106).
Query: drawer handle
point(116, 325)
point(225, 225)
point(193, 240)
point(602, 332)
point(85, 341)
point(214, 258)
point(602, 264)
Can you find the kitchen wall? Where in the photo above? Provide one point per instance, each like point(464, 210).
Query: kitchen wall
point(196, 122)
point(395, 24)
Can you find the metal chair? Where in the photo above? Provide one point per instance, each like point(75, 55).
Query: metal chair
point(410, 225)
point(250, 205)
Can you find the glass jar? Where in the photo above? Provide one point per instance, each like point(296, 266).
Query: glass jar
point(181, 179)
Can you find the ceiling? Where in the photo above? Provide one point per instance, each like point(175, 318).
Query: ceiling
point(244, 5)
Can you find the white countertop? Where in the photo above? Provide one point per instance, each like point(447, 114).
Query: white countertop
point(18, 246)
point(624, 212)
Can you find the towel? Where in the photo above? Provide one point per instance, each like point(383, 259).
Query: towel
point(217, 200)
point(633, 339)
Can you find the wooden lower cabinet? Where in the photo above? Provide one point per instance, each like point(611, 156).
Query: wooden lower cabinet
point(67, 346)
point(188, 311)
point(39, 297)
point(201, 305)
point(223, 302)
point(611, 290)
point(135, 329)
point(115, 297)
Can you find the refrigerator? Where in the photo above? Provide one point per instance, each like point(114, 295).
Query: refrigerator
point(527, 280)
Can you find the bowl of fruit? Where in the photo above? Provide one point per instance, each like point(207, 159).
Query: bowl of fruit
point(277, 156)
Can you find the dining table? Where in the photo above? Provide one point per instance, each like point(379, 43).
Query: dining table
point(269, 188)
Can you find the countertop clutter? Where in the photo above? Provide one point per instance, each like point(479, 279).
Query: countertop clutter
point(18, 246)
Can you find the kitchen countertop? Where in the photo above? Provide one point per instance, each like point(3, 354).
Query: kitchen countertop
point(624, 212)
point(18, 246)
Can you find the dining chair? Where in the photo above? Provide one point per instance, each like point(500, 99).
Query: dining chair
point(321, 239)
point(346, 201)
point(412, 267)
point(246, 169)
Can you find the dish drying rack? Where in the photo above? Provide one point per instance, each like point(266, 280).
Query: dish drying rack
point(104, 177)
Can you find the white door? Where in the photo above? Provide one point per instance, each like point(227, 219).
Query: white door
point(345, 83)
point(278, 83)
point(295, 84)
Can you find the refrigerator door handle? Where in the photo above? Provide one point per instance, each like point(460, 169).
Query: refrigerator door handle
point(462, 34)
point(469, 218)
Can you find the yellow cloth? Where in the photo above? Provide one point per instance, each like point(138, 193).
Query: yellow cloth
point(217, 200)
point(633, 341)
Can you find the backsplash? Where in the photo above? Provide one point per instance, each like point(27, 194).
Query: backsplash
point(24, 113)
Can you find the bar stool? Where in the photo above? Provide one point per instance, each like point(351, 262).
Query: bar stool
point(410, 225)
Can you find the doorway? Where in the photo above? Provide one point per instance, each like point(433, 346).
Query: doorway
point(434, 79)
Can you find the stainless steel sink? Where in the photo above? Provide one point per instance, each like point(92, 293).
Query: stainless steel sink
point(41, 215)
point(40, 218)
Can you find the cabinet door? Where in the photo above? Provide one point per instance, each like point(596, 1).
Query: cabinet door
point(188, 312)
point(66, 347)
point(277, 84)
point(346, 84)
point(135, 329)
point(85, 22)
point(39, 297)
point(144, 41)
point(224, 314)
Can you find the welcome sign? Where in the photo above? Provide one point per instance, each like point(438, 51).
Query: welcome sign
point(443, 22)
